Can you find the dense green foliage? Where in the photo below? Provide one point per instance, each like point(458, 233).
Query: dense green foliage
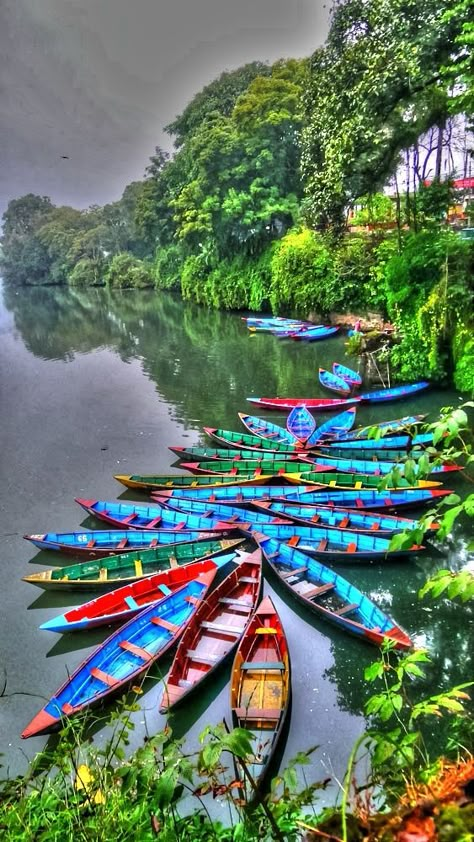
point(250, 210)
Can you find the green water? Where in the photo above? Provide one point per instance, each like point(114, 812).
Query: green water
point(94, 383)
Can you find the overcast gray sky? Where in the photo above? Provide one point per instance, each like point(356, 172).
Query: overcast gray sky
point(98, 79)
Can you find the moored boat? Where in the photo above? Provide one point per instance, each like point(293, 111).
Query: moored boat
point(340, 423)
point(224, 513)
point(113, 571)
point(349, 498)
point(149, 481)
point(330, 595)
point(347, 374)
point(156, 518)
point(312, 334)
point(266, 429)
point(384, 443)
point(331, 381)
point(119, 605)
point(337, 544)
point(300, 423)
point(395, 393)
point(350, 480)
point(394, 425)
point(204, 454)
point(124, 656)
point(335, 517)
point(377, 467)
point(313, 404)
point(104, 542)
point(214, 631)
point(260, 688)
point(247, 441)
point(250, 467)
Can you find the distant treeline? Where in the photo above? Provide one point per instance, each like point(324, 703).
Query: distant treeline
point(251, 209)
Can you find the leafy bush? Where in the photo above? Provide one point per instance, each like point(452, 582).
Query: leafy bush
point(87, 272)
point(301, 273)
point(127, 271)
point(168, 267)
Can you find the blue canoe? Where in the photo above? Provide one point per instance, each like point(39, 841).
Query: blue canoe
point(287, 511)
point(395, 425)
point(368, 453)
point(336, 544)
point(395, 393)
point(340, 518)
point(330, 595)
point(374, 468)
point(312, 334)
point(138, 516)
point(331, 381)
point(386, 443)
point(266, 429)
point(224, 512)
point(104, 542)
point(351, 377)
point(300, 423)
point(334, 426)
point(360, 499)
point(124, 656)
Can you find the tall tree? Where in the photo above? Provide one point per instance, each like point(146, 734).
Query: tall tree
point(375, 87)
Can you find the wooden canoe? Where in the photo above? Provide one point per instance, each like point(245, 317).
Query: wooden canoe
point(385, 443)
point(125, 656)
point(247, 441)
point(119, 605)
point(154, 517)
point(337, 544)
point(359, 499)
point(394, 425)
point(214, 631)
point(300, 423)
point(250, 467)
point(312, 334)
point(96, 543)
point(260, 688)
point(395, 393)
point(350, 480)
point(196, 453)
point(336, 517)
point(155, 481)
point(333, 426)
point(313, 404)
point(329, 595)
point(331, 381)
point(114, 571)
point(267, 430)
point(347, 374)
point(216, 512)
point(377, 467)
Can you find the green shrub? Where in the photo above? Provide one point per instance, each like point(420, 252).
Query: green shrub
point(127, 271)
point(88, 272)
point(301, 273)
point(168, 267)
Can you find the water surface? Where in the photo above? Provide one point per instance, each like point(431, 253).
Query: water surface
point(94, 383)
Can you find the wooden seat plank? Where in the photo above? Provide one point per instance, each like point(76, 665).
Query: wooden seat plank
point(258, 713)
point(221, 627)
point(346, 609)
point(296, 571)
point(107, 679)
point(319, 590)
point(262, 665)
point(165, 624)
point(141, 653)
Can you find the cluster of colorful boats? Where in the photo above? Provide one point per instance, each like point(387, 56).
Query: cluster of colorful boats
point(291, 497)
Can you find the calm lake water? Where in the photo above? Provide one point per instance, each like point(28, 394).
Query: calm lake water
point(94, 383)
